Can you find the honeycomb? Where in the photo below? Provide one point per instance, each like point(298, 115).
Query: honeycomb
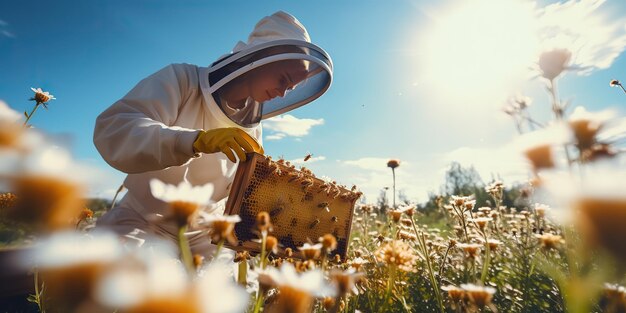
point(302, 207)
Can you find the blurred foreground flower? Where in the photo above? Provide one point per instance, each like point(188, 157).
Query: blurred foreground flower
point(553, 63)
point(158, 283)
point(296, 292)
point(221, 227)
point(586, 125)
point(70, 265)
point(48, 187)
point(184, 199)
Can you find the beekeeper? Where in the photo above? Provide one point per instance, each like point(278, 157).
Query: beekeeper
point(193, 123)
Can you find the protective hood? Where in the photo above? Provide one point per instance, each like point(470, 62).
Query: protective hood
point(268, 79)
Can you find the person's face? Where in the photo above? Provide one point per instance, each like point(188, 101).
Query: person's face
point(269, 81)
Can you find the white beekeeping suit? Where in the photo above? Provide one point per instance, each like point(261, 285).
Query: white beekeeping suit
point(155, 131)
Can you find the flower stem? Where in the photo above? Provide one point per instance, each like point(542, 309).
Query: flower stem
point(431, 274)
point(185, 251)
point(31, 113)
point(483, 275)
point(38, 292)
point(393, 171)
point(242, 273)
point(219, 248)
point(390, 282)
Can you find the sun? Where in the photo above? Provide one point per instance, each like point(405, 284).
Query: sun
point(476, 51)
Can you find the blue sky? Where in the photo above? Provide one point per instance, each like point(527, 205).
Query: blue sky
point(380, 106)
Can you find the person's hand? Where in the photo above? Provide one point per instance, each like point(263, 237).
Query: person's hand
point(230, 141)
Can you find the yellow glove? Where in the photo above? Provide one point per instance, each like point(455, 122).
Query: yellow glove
point(227, 141)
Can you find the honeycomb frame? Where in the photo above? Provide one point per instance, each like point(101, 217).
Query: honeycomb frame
point(302, 208)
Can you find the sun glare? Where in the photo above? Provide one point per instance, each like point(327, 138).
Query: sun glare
point(476, 51)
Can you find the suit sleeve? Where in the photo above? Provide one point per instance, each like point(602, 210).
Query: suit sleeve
point(134, 134)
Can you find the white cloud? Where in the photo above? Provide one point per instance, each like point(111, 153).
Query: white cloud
point(278, 136)
point(289, 125)
point(8, 34)
point(3, 23)
point(595, 39)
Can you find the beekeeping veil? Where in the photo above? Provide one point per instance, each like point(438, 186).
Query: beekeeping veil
point(279, 44)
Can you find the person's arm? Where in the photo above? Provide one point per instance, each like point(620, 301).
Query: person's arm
point(134, 136)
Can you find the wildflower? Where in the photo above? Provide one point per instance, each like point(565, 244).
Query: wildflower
point(479, 296)
point(185, 200)
point(614, 83)
point(46, 203)
point(337, 258)
point(549, 241)
point(296, 292)
point(481, 221)
point(263, 222)
point(493, 243)
point(397, 253)
point(614, 298)
point(198, 261)
point(311, 252)
point(458, 201)
point(553, 63)
point(395, 215)
point(41, 97)
point(288, 252)
point(345, 281)
point(471, 249)
point(86, 213)
point(540, 156)
point(586, 126)
point(71, 264)
point(329, 242)
point(7, 200)
point(393, 163)
point(241, 256)
point(405, 235)
point(271, 244)
point(541, 209)
point(221, 227)
point(161, 285)
point(328, 303)
point(601, 220)
point(357, 263)
point(455, 293)
point(10, 130)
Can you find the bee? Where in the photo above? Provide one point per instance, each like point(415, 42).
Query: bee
point(294, 222)
point(346, 196)
point(275, 211)
point(308, 157)
point(334, 219)
point(294, 176)
point(269, 160)
point(353, 188)
point(323, 187)
point(314, 223)
point(324, 205)
point(281, 161)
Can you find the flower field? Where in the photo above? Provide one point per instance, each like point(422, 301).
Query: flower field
point(491, 248)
